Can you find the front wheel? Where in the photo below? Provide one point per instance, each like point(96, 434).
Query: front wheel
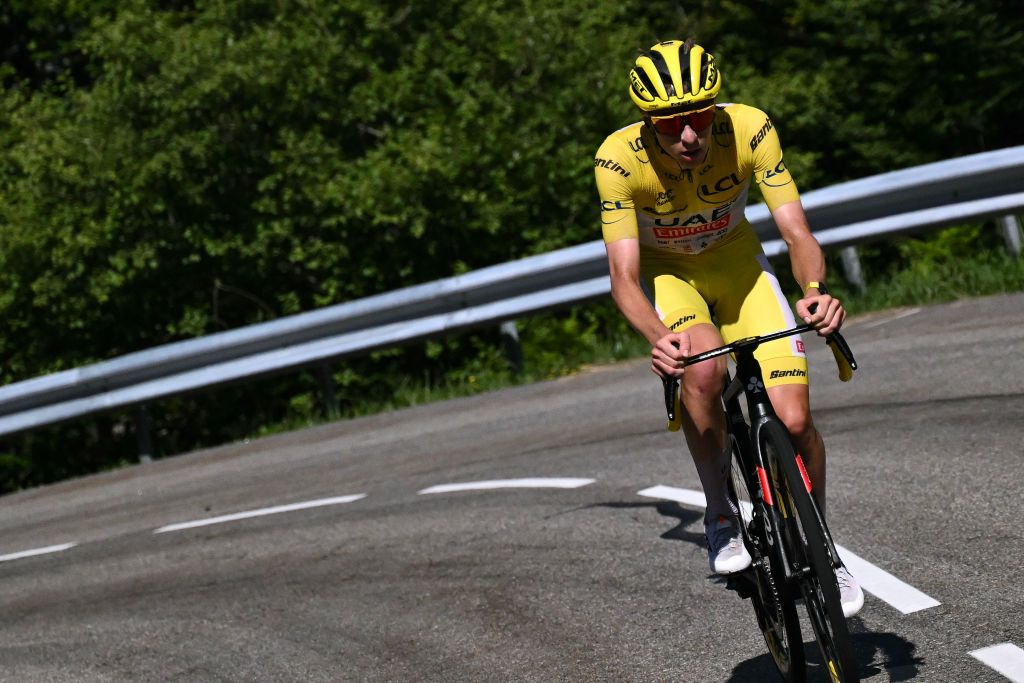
point(807, 547)
point(772, 599)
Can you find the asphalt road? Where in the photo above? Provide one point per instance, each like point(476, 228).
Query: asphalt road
point(380, 582)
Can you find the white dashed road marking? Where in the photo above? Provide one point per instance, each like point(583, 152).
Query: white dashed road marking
point(1006, 658)
point(261, 512)
point(884, 585)
point(685, 496)
point(555, 483)
point(37, 551)
point(874, 580)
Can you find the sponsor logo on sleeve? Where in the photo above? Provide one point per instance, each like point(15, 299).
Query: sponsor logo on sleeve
point(682, 321)
point(779, 374)
point(759, 136)
point(611, 166)
point(778, 176)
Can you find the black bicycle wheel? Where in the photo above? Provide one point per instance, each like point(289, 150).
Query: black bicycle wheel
point(807, 548)
point(772, 598)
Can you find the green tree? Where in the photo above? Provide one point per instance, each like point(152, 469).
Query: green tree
point(170, 168)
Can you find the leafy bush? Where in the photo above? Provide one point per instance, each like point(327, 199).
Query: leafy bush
point(171, 169)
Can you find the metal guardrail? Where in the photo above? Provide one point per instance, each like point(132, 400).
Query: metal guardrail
point(935, 185)
point(918, 198)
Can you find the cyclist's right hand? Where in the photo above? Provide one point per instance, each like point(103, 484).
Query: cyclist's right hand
point(668, 354)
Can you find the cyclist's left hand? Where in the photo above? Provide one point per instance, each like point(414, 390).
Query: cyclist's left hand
point(827, 318)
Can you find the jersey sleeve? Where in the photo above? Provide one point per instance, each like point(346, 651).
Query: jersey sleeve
point(769, 169)
point(611, 171)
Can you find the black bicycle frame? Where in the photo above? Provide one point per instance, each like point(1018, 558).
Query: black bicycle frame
point(750, 381)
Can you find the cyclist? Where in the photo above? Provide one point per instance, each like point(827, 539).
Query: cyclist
point(682, 256)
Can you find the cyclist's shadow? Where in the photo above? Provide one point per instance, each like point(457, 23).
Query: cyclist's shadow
point(672, 509)
point(874, 652)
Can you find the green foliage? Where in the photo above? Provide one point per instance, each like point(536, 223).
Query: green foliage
point(858, 87)
point(967, 260)
point(170, 168)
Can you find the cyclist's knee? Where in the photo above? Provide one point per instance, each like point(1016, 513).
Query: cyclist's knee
point(797, 419)
point(704, 381)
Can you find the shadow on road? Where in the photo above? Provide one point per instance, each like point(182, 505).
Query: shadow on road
point(876, 652)
point(884, 651)
point(669, 509)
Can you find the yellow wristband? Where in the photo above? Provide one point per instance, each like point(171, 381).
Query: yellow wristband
point(818, 286)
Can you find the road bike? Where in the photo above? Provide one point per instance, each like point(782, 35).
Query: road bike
point(784, 531)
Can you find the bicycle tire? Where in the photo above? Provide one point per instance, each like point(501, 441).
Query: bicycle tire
point(772, 598)
point(806, 546)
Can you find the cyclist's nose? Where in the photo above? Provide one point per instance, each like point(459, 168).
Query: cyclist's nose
point(688, 135)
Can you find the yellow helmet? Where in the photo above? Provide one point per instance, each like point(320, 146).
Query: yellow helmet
point(674, 77)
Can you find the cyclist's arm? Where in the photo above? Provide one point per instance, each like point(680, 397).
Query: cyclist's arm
point(808, 262)
point(624, 268)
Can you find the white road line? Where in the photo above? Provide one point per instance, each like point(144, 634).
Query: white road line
point(37, 551)
point(884, 585)
point(1006, 658)
point(553, 483)
point(874, 580)
point(259, 513)
point(685, 496)
point(876, 323)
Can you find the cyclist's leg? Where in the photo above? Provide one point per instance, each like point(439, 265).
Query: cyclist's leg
point(792, 404)
point(751, 303)
point(682, 308)
point(704, 421)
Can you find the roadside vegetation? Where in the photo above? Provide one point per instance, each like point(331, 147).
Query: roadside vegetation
point(559, 344)
point(175, 168)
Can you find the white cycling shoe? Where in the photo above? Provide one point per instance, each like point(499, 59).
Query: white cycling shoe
point(726, 552)
point(850, 594)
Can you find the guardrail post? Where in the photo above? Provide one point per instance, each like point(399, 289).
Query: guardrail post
point(1010, 227)
point(851, 267)
point(513, 350)
point(327, 394)
point(143, 433)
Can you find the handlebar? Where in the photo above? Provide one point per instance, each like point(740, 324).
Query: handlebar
point(845, 364)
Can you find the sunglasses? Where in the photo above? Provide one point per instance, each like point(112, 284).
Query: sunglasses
point(673, 125)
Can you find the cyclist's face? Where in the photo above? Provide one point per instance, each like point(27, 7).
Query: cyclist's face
point(685, 138)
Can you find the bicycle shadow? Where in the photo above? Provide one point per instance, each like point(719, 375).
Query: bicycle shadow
point(667, 508)
point(876, 652)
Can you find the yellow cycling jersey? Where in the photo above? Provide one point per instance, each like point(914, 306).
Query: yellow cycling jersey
point(646, 195)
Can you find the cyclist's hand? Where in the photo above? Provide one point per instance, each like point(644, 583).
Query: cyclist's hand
point(828, 315)
point(668, 354)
